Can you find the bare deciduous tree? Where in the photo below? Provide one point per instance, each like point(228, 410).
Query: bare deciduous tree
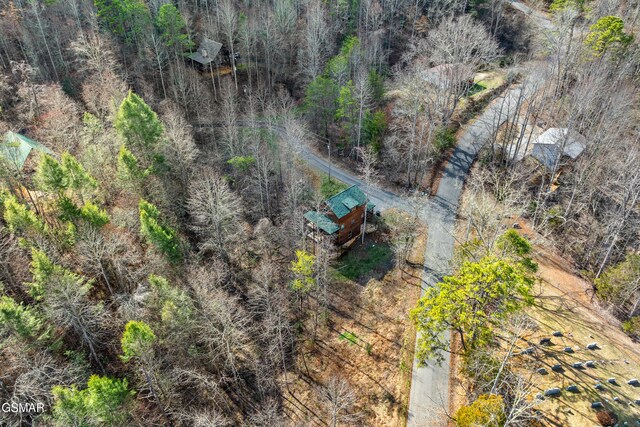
point(221, 328)
point(68, 305)
point(459, 47)
point(228, 19)
point(97, 252)
point(95, 54)
point(60, 123)
point(316, 39)
point(229, 133)
point(369, 160)
point(267, 415)
point(487, 215)
point(338, 400)
point(33, 375)
point(215, 210)
point(8, 258)
point(180, 149)
point(270, 303)
point(410, 142)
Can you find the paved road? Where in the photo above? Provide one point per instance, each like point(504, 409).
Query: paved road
point(383, 199)
point(429, 396)
point(429, 393)
point(538, 18)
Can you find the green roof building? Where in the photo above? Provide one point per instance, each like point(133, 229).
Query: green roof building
point(322, 221)
point(15, 149)
point(342, 216)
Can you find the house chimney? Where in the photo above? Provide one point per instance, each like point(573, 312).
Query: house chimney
point(205, 54)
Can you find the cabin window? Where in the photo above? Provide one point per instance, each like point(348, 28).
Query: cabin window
point(350, 233)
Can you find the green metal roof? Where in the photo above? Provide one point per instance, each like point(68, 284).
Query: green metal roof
point(342, 203)
point(322, 221)
point(15, 148)
point(350, 202)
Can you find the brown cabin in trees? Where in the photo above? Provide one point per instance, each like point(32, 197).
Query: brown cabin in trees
point(341, 217)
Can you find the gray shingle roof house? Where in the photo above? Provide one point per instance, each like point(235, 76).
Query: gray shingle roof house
point(207, 52)
point(557, 142)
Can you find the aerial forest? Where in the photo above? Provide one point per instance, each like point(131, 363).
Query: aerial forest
point(172, 175)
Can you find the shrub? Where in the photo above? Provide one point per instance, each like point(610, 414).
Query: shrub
point(554, 217)
point(607, 418)
point(164, 238)
point(444, 139)
point(19, 218)
point(68, 209)
point(632, 326)
point(242, 163)
point(615, 284)
point(94, 215)
point(20, 320)
point(487, 410)
point(330, 187)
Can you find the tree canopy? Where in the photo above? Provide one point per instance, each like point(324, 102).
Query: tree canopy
point(137, 340)
point(608, 34)
point(128, 19)
point(171, 25)
point(487, 411)
point(619, 285)
point(137, 124)
point(163, 237)
point(102, 403)
point(302, 268)
point(18, 319)
point(470, 302)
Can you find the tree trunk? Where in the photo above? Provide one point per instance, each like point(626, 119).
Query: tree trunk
point(155, 396)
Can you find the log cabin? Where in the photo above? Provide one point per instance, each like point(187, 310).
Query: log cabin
point(341, 217)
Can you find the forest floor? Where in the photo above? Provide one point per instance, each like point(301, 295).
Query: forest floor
point(367, 337)
point(564, 302)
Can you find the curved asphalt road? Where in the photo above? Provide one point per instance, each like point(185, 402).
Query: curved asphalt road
point(429, 384)
point(429, 395)
point(383, 199)
point(538, 18)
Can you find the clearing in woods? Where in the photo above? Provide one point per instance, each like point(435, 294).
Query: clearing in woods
point(565, 303)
